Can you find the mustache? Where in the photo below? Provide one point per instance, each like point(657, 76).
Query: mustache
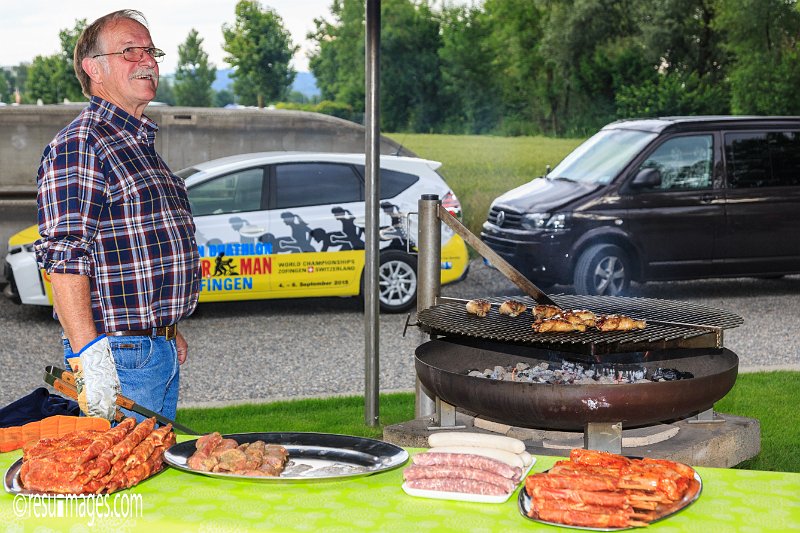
point(144, 71)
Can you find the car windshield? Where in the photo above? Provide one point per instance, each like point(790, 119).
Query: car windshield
point(602, 157)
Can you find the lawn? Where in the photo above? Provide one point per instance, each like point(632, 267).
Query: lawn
point(769, 396)
point(479, 168)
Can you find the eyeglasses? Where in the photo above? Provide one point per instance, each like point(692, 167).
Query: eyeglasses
point(134, 54)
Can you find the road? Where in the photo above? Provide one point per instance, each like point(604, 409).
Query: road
point(278, 349)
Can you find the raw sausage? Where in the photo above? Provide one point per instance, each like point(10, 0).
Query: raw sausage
point(466, 438)
point(469, 486)
point(443, 472)
point(511, 459)
point(467, 461)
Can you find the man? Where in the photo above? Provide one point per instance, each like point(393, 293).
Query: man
point(117, 231)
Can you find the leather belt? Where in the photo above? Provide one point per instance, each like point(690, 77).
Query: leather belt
point(168, 332)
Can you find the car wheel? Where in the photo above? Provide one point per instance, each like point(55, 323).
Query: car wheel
point(397, 281)
point(603, 269)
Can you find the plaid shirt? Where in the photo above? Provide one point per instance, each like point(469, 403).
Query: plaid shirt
point(110, 209)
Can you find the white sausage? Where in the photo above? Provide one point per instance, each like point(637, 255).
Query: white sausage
point(511, 459)
point(465, 438)
point(527, 458)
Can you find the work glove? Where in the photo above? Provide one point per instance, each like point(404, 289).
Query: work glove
point(96, 379)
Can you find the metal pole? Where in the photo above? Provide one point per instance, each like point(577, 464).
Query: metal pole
point(372, 259)
point(428, 278)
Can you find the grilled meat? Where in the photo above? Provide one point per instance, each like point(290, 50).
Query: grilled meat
point(557, 324)
point(512, 308)
point(541, 311)
point(478, 307)
point(619, 323)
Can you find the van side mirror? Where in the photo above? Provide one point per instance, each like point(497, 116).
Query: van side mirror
point(647, 178)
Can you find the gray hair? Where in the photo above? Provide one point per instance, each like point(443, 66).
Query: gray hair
point(89, 42)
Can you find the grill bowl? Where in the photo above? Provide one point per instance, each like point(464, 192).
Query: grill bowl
point(442, 366)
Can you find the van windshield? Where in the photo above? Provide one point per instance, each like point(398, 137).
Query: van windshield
point(602, 156)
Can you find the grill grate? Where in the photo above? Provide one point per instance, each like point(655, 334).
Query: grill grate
point(669, 323)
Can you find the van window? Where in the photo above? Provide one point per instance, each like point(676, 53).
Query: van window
point(602, 157)
point(763, 159)
point(303, 184)
point(232, 193)
point(684, 162)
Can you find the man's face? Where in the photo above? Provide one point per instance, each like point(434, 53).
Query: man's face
point(127, 84)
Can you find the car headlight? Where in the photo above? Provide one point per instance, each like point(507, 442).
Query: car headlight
point(546, 221)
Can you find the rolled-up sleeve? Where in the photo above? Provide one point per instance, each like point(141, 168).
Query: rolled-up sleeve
point(70, 194)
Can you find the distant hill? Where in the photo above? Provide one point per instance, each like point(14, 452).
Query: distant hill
point(304, 82)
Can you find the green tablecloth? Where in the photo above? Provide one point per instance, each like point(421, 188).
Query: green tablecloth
point(732, 500)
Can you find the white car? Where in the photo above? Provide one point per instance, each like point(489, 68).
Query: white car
point(291, 224)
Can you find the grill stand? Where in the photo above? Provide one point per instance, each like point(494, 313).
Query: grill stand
point(428, 287)
point(604, 437)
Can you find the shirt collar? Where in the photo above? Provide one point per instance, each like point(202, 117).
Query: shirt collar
point(122, 119)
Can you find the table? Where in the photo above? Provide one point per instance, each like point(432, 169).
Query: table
point(175, 501)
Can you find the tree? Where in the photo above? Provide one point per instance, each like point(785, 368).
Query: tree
point(194, 75)
point(470, 88)
point(5, 86)
point(164, 92)
point(223, 98)
point(410, 76)
point(68, 39)
point(259, 49)
point(338, 60)
point(762, 37)
point(52, 78)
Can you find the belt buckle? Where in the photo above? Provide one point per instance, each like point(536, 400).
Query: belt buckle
point(171, 331)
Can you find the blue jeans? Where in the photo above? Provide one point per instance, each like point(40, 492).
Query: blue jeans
point(148, 372)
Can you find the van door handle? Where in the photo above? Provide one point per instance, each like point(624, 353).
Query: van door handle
point(707, 198)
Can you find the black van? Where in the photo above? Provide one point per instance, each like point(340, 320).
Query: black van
point(662, 199)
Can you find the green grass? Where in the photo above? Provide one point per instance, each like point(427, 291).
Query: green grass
point(769, 397)
point(480, 168)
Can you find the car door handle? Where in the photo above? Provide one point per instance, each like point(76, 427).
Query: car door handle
point(707, 198)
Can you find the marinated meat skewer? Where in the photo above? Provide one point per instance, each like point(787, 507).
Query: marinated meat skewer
point(107, 440)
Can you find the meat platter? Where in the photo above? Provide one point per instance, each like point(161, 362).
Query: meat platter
point(312, 457)
point(601, 491)
point(524, 502)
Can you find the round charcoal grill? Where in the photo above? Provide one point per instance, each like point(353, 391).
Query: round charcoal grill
point(679, 335)
point(442, 366)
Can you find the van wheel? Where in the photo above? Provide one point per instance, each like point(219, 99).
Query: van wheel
point(397, 282)
point(603, 269)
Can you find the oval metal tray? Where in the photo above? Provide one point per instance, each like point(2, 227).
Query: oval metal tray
point(313, 457)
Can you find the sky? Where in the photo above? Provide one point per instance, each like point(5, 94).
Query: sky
point(30, 27)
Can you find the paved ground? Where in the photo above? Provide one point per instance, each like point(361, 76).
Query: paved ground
point(268, 350)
